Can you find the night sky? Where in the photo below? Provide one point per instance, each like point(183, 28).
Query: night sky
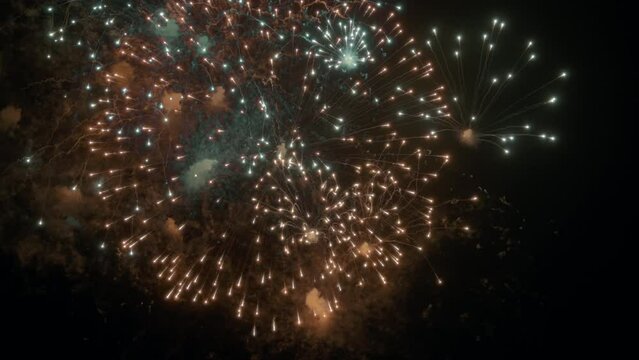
point(552, 279)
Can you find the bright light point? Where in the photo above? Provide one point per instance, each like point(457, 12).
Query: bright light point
point(349, 60)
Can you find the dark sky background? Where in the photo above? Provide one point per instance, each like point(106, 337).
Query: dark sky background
point(573, 267)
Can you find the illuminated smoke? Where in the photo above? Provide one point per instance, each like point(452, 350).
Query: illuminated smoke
point(199, 174)
point(10, 117)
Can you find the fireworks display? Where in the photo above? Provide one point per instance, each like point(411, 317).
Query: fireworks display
point(485, 105)
point(276, 156)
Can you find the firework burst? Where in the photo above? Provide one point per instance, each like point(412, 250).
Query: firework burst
point(488, 101)
point(270, 157)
